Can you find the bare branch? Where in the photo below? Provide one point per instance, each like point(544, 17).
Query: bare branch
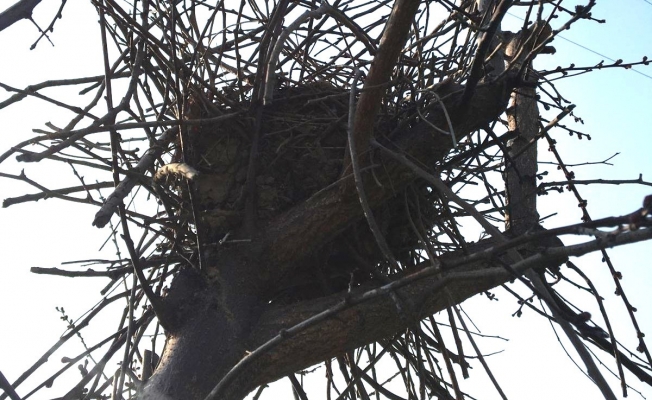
point(22, 9)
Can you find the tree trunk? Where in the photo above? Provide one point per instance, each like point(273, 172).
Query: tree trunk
point(222, 311)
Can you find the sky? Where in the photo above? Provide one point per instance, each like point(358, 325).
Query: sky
point(615, 105)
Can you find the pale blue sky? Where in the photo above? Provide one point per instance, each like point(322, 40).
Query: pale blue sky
point(615, 104)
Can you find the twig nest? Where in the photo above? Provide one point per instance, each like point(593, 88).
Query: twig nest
point(302, 143)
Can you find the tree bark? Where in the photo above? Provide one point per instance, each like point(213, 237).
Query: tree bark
point(20, 10)
point(521, 161)
point(522, 215)
point(222, 313)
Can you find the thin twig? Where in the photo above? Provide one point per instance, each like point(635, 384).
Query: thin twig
point(593, 371)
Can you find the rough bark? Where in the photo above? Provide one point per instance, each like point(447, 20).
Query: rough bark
point(327, 213)
point(199, 354)
point(20, 10)
point(222, 312)
point(520, 174)
point(229, 316)
point(522, 215)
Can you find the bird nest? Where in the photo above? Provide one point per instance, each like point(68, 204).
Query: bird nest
point(301, 147)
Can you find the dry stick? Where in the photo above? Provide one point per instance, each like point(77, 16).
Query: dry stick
point(361, 372)
point(523, 216)
point(104, 165)
point(265, 63)
point(72, 361)
point(278, 47)
point(605, 316)
point(380, 72)
point(349, 391)
point(44, 358)
point(601, 162)
point(592, 369)
point(80, 133)
point(420, 367)
point(532, 142)
point(45, 195)
point(581, 14)
point(183, 95)
point(126, 362)
point(103, 216)
point(46, 191)
point(480, 356)
point(484, 44)
point(29, 90)
point(115, 144)
point(154, 300)
point(434, 378)
point(357, 177)
point(394, 352)
point(451, 131)
point(524, 61)
point(444, 351)
point(567, 110)
point(94, 391)
point(56, 194)
point(7, 388)
point(359, 33)
point(587, 217)
point(359, 185)
point(67, 131)
point(607, 346)
point(156, 46)
point(447, 361)
point(298, 389)
point(458, 341)
point(138, 272)
point(75, 392)
point(75, 109)
point(72, 136)
point(114, 273)
point(49, 28)
point(638, 181)
point(355, 376)
point(109, 117)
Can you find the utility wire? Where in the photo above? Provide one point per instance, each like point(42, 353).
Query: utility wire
point(602, 55)
point(591, 50)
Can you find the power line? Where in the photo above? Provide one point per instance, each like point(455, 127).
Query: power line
point(602, 55)
point(591, 50)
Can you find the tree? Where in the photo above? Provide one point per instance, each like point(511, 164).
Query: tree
point(264, 247)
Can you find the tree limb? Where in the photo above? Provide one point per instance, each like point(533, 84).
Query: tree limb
point(381, 69)
point(20, 10)
point(306, 333)
point(318, 220)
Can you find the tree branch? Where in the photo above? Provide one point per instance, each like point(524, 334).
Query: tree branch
point(321, 218)
point(20, 10)
point(306, 333)
point(391, 44)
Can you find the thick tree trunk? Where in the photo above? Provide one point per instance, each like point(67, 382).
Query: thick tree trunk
point(521, 161)
point(198, 355)
point(520, 176)
point(223, 314)
point(522, 215)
